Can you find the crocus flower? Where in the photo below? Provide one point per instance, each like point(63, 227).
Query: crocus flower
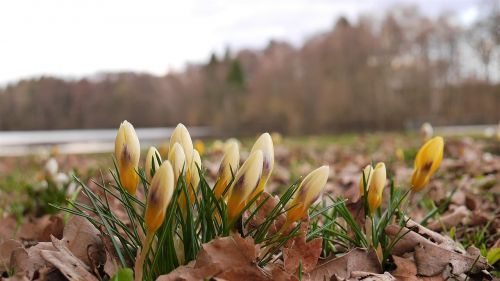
point(244, 184)
point(308, 192)
point(228, 167)
point(265, 144)
point(127, 153)
point(376, 187)
point(159, 196)
point(427, 162)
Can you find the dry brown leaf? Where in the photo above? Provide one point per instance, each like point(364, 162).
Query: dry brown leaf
point(36, 260)
point(83, 240)
point(231, 258)
point(406, 270)
point(71, 266)
point(186, 273)
point(278, 273)
point(6, 250)
point(263, 212)
point(39, 229)
point(457, 216)
point(357, 211)
point(302, 253)
point(299, 252)
point(17, 277)
point(369, 276)
point(19, 261)
point(54, 227)
point(232, 251)
point(342, 267)
point(433, 258)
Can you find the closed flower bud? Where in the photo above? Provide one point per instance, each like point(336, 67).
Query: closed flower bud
point(244, 184)
point(427, 162)
point(159, 196)
point(127, 153)
point(376, 187)
point(366, 177)
point(228, 167)
point(308, 192)
point(152, 158)
point(181, 135)
point(178, 160)
point(265, 144)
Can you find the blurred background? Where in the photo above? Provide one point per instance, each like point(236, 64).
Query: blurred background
point(295, 66)
point(336, 82)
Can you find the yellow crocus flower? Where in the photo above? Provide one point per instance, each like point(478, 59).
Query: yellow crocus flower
point(228, 167)
point(376, 187)
point(244, 184)
point(181, 135)
point(427, 161)
point(308, 192)
point(265, 144)
point(127, 153)
point(159, 196)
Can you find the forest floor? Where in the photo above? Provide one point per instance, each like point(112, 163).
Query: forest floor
point(465, 191)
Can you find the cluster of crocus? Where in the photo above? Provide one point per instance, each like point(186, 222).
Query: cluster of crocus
point(250, 178)
point(236, 186)
point(427, 162)
point(241, 185)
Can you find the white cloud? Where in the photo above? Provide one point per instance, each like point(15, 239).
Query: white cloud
point(72, 38)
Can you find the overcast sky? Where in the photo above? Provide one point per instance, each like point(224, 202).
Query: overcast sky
point(73, 38)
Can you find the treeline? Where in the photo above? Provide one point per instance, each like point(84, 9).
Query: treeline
point(388, 73)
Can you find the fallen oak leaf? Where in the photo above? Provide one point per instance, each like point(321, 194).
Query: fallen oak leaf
point(370, 276)
point(298, 252)
point(231, 258)
point(6, 250)
point(54, 227)
point(409, 239)
point(16, 277)
point(230, 252)
point(341, 267)
point(431, 258)
point(268, 202)
point(35, 258)
point(427, 233)
point(457, 216)
point(190, 273)
point(278, 273)
point(302, 253)
point(19, 262)
point(406, 270)
point(72, 267)
point(83, 240)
